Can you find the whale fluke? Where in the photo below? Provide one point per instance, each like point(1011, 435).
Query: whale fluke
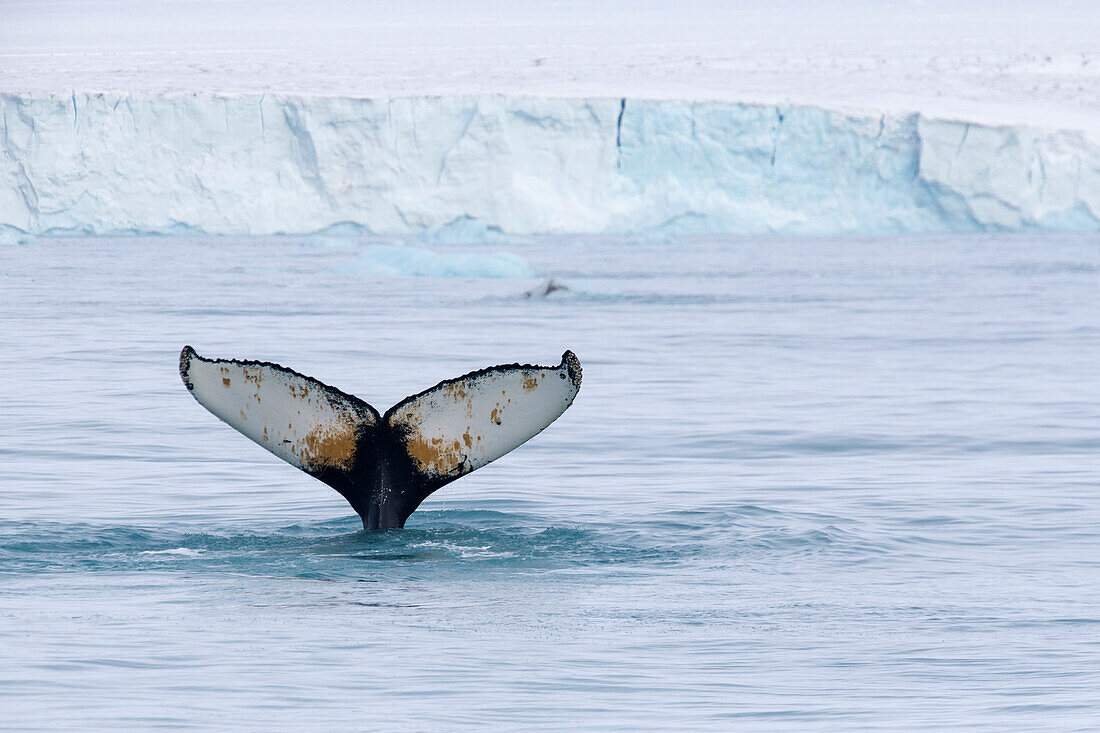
point(384, 465)
point(544, 289)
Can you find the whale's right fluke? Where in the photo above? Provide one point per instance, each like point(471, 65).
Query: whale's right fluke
point(385, 466)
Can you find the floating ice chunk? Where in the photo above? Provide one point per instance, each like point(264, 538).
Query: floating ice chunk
point(387, 260)
point(325, 241)
point(14, 236)
point(463, 230)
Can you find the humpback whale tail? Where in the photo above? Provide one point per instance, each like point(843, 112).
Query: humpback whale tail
point(384, 465)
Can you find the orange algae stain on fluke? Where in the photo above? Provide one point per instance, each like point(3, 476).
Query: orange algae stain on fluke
point(436, 456)
point(328, 446)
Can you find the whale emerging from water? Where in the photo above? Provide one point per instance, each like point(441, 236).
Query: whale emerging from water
point(384, 465)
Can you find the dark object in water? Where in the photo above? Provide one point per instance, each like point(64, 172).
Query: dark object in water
point(544, 289)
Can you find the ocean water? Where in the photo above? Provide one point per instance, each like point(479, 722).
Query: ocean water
point(846, 483)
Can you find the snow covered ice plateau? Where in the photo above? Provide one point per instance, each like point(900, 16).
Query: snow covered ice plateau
point(810, 117)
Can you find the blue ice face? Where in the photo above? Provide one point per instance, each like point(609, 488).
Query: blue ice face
point(460, 169)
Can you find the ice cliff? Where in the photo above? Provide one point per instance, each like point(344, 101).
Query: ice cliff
point(269, 164)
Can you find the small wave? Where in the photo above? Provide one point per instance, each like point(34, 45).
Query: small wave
point(458, 539)
point(466, 551)
point(184, 551)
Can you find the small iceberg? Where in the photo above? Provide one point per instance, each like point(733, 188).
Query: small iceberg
point(387, 260)
point(9, 236)
point(326, 241)
point(463, 230)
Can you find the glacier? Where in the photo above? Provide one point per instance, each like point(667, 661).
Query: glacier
point(471, 168)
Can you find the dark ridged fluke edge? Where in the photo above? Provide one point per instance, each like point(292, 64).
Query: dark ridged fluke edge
point(188, 353)
point(568, 360)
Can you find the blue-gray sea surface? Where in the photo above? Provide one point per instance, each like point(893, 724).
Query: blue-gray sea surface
point(847, 483)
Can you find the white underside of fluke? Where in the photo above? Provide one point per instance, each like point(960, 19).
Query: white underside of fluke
point(465, 423)
point(447, 431)
point(299, 419)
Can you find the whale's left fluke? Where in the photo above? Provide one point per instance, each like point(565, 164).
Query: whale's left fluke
point(385, 466)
